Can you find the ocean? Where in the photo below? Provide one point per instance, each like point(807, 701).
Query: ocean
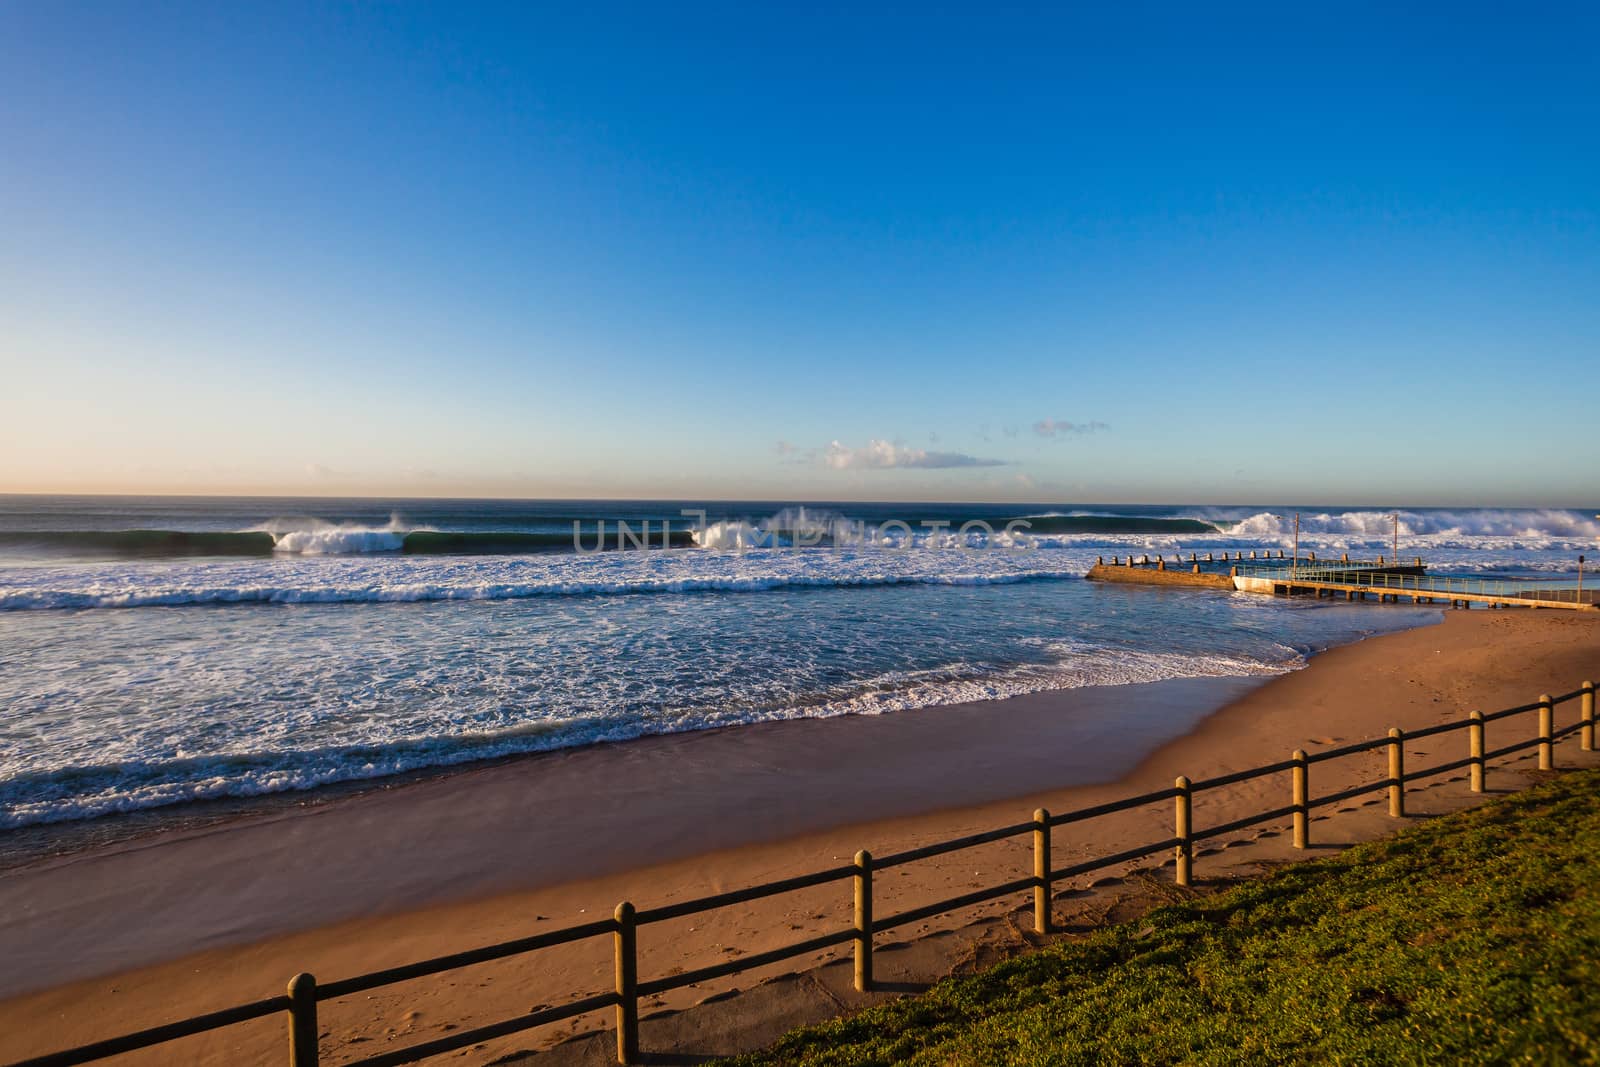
point(160, 652)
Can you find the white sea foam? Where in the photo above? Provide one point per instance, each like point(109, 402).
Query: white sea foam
point(1513, 536)
point(41, 588)
point(314, 537)
point(732, 536)
point(1466, 540)
point(1530, 529)
point(789, 527)
point(325, 563)
point(80, 792)
point(1077, 665)
point(242, 702)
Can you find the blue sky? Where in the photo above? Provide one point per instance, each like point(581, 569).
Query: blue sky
point(1175, 253)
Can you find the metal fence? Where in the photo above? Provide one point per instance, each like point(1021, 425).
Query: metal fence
point(1421, 585)
point(1266, 563)
point(299, 1004)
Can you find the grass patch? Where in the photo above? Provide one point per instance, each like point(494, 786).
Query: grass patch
point(1473, 937)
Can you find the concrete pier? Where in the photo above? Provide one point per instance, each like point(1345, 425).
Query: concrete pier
point(1390, 581)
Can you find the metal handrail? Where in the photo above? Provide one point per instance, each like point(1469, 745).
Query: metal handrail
point(1419, 584)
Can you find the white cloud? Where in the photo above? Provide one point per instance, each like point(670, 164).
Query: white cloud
point(887, 455)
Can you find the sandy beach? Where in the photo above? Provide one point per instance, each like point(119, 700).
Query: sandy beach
point(178, 923)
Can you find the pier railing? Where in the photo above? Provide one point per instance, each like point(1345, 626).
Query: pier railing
point(299, 1004)
point(1423, 585)
point(1265, 562)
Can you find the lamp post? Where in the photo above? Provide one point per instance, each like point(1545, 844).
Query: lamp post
point(1581, 576)
point(1294, 565)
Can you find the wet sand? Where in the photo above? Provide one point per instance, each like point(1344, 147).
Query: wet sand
point(181, 923)
point(560, 817)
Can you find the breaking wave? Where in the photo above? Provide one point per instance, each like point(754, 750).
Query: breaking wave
point(88, 790)
point(1425, 530)
point(1500, 524)
point(318, 539)
point(368, 588)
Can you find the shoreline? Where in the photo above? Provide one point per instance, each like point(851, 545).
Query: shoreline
point(1491, 658)
point(679, 796)
point(66, 839)
point(25, 846)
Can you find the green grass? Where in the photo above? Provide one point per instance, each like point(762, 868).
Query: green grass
point(1474, 937)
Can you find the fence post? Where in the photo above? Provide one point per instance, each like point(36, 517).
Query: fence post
point(1041, 871)
point(1547, 716)
point(863, 895)
point(302, 1021)
point(1397, 773)
point(625, 940)
point(1182, 829)
point(1586, 735)
point(1302, 798)
point(1475, 750)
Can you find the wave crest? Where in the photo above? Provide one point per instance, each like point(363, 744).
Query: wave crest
point(416, 592)
point(315, 537)
point(1378, 525)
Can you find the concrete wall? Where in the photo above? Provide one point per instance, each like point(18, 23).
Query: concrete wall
point(1102, 572)
point(1253, 585)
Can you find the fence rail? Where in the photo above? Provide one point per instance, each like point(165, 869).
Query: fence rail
point(305, 993)
point(1387, 581)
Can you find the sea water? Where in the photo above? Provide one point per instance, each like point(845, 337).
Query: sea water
point(157, 652)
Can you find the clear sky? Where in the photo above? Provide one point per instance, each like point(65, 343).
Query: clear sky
point(1202, 252)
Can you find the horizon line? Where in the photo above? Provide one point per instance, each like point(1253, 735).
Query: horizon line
point(380, 497)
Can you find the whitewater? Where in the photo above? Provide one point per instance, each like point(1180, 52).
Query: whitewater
point(156, 654)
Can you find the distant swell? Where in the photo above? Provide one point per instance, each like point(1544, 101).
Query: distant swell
point(309, 537)
point(317, 540)
point(424, 542)
point(1114, 524)
point(140, 542)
